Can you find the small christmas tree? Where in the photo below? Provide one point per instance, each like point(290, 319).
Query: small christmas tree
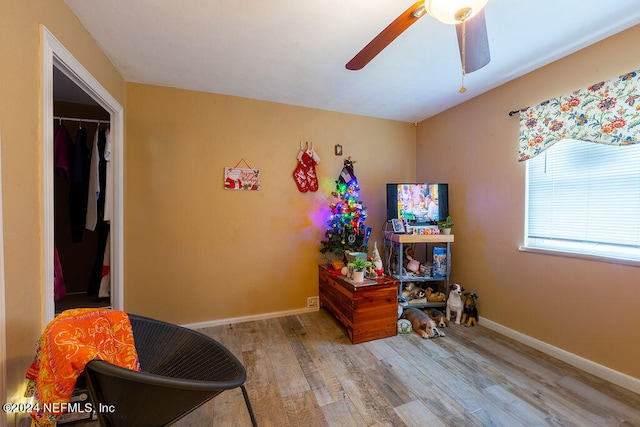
point(346, 231)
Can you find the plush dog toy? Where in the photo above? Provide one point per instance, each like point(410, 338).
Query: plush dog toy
point(434, 296)
point(454, 303)
point(438, 316)
point(422, 324)
point(411, 291)
point(470, 311)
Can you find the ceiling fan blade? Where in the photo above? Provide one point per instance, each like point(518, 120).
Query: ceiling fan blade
point(386, 36)
point(477, 43)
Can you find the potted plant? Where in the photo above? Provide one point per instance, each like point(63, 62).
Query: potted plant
point(446, 225)
point(359, 266)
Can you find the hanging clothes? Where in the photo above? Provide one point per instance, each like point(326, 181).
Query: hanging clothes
point(102, 229)
point(62, 145)
point(105, 281)
point(108, 183)
point(99, 172)
point(59, 285)
point(78, 186)
point(96, 207)
point(102, 172)
point(93, 191)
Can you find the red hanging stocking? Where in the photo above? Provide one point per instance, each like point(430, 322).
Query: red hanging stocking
point(309, 160)
point(300, 175)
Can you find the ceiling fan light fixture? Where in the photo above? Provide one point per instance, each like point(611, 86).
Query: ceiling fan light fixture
point(454, 11)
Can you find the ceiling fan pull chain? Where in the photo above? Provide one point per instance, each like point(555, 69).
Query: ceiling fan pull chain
point(464, 54)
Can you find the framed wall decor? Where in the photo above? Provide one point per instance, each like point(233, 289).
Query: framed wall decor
point(398, 226)
point(236, 178)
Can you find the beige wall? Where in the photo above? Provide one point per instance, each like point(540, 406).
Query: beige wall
point(588, 308)
point(195, 252)
point(20, 113)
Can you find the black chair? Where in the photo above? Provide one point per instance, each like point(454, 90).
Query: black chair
point(181, 370)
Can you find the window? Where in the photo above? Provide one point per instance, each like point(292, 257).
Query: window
point(584, 198)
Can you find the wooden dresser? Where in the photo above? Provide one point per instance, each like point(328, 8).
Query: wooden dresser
point(369, 310)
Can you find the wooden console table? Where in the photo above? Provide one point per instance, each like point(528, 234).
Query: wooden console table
point(369, 310)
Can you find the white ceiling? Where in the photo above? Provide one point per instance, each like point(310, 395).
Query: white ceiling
point(294, 52)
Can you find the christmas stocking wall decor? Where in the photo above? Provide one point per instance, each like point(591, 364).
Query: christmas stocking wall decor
point(311, 159)
point(305, 172)
point(300, 176)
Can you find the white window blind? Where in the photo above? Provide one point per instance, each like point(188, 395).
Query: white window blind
point(584, 198)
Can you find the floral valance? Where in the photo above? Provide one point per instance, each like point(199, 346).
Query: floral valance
point(606, 113)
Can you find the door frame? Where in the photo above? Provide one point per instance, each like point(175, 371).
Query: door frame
point(3, 308)
point(54, 54)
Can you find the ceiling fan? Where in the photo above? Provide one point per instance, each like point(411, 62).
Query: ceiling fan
point(471, 28)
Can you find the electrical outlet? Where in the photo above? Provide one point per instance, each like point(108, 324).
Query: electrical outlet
point(312, 302)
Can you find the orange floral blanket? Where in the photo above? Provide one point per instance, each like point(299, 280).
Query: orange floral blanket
point(68, 343)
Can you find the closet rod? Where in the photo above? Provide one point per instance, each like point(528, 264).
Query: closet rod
point(75, 119)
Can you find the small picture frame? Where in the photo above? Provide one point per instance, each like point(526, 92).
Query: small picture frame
point(338, 149)
point(398, 226)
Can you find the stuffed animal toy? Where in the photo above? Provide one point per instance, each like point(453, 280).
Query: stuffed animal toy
point(470, 311)
point(408, 253)
point(411, 291)
point(422, 324)
point(408, 287)
point(410, 263)
point(438, 316)
point(413, 266)
point(418, 293)
point(434, 296)
point(454, 302)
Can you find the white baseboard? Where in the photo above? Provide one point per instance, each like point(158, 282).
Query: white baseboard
point(211, 323)
point(615, 377)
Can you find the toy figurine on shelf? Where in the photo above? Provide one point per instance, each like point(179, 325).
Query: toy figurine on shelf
point(371, 273)
point(377, 260)
point(434, 296)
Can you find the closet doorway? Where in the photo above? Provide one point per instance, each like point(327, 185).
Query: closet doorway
point(81, 222)
point(83, 236)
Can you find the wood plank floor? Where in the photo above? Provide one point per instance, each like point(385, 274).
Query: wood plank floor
point(303, 371)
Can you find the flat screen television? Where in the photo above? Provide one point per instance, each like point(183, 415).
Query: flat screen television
point(418, 203)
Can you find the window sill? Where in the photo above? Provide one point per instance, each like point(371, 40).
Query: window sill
point(599, 258)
